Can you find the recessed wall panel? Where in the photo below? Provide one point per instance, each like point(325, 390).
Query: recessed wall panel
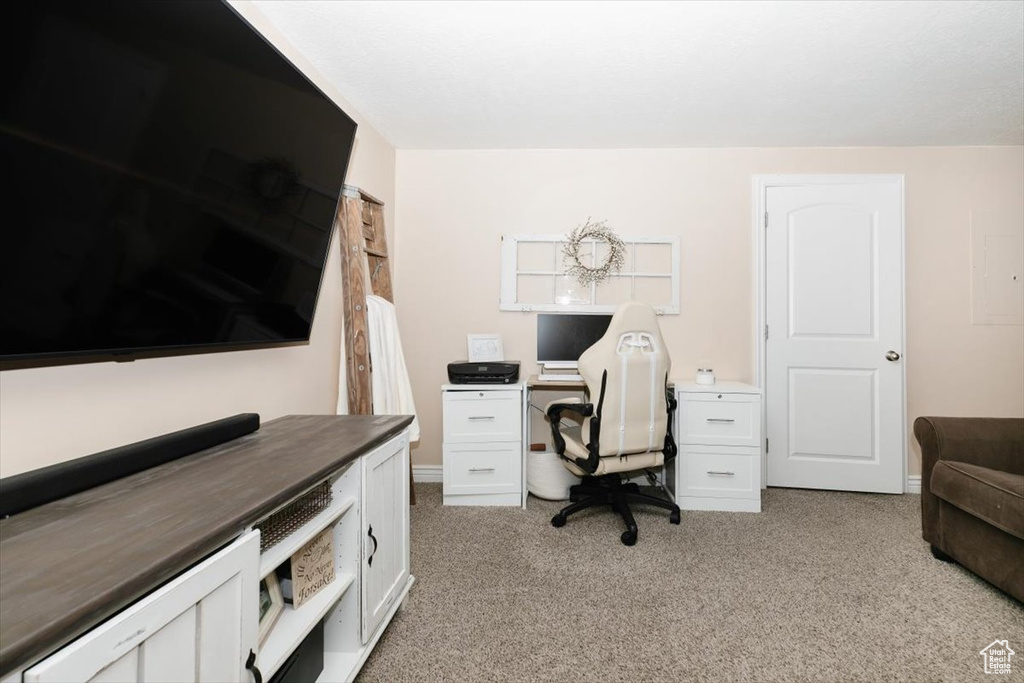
point(831, 272)
point(833, 414)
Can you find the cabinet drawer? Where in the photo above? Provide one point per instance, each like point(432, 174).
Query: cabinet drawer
point(720, 419)
point(482, 468)
point(471, 416)
point(718, 472)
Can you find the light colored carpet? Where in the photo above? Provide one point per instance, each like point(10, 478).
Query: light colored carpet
point(820, 586)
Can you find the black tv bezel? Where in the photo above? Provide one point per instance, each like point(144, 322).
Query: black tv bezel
point(132, 353)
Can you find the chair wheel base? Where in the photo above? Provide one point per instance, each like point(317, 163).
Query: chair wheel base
point(674, 517)
point(558, 520)
point(629, 537)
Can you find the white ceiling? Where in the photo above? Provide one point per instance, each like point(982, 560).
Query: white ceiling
point(605, 74)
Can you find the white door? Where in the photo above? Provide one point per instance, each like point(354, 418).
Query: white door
point(385, 503)
point(833, 360)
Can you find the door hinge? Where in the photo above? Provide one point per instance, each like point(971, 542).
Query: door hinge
point(766, 332)
point(766, 446)
point(766, 219)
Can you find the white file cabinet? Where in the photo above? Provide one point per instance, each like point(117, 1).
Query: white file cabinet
point(718, 432)
point(483, 444)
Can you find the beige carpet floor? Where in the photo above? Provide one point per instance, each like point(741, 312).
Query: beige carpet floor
point(820, 586)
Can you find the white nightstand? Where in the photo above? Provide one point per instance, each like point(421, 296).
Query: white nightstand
point(718, 432)
point(483, 444)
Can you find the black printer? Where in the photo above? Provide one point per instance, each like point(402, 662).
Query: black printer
point(489, 372)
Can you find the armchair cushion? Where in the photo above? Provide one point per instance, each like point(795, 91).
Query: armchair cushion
point(995, 496)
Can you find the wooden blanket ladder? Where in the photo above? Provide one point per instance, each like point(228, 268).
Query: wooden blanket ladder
point(364, 258)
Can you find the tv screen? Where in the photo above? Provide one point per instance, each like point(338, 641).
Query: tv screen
point(171, 182)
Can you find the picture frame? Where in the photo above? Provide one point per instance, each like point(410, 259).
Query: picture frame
point(271, 604)
point(484, 348)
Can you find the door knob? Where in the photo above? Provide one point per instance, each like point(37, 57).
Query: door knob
point(892, 356)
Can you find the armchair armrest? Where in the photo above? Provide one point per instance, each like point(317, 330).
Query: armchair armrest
point(996, 443)
point(993, 442)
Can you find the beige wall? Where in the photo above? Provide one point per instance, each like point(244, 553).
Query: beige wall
point(453, 207)
point(48, 415)
point(446, 211)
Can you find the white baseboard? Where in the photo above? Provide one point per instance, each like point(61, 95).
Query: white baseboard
point(428, 474)
point(914, 483)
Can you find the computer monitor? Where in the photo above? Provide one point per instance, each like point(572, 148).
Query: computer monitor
point(563, 337)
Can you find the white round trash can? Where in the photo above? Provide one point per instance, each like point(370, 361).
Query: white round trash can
point(547, 478)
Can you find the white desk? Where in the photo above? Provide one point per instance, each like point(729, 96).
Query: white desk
point(488, 431)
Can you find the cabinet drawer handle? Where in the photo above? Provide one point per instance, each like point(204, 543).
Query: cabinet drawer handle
point(373, 538)
point(250, 664)
point(481, 469)
point(721, 419)
point(481, 417)
point(723, 474)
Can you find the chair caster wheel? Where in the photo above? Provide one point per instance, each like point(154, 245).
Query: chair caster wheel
point(628, 538)
point(558, 520)
point(674, 517)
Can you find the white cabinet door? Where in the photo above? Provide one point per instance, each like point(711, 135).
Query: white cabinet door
point(198, 627)
point(385, 505)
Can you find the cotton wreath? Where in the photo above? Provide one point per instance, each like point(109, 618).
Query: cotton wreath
point(593, 232)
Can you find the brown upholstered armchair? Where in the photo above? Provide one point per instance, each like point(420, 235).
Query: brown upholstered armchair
point(972, 495)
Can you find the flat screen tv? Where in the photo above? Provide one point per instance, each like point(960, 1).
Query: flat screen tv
point(171, 182)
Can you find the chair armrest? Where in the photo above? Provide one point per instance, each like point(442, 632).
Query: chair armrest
point(993, 442)
point(554, 412)
point(669, 451)
point(996, 443)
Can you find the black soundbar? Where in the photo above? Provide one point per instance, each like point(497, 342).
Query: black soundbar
point(47, 484)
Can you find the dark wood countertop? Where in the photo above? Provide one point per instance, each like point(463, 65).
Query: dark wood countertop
point(69, 565)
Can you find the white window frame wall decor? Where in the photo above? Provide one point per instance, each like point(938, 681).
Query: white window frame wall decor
point(511, 272)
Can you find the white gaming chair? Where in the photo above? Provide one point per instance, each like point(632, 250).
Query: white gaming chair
point(628, 427)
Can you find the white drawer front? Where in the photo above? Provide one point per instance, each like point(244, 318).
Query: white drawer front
point(482, 416)
point(718, 472)
point(720, 419)
point(482, 468)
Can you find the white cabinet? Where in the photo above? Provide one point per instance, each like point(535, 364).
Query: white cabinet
point(483, 444)
point(200, 626)
point(369, 518)
point(203, 625)
point(374, 544)
point(718, 432)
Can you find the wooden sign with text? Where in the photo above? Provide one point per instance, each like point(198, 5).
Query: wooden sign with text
point(312, 567)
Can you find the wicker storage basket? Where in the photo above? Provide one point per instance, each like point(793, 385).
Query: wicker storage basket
point(547, 478)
